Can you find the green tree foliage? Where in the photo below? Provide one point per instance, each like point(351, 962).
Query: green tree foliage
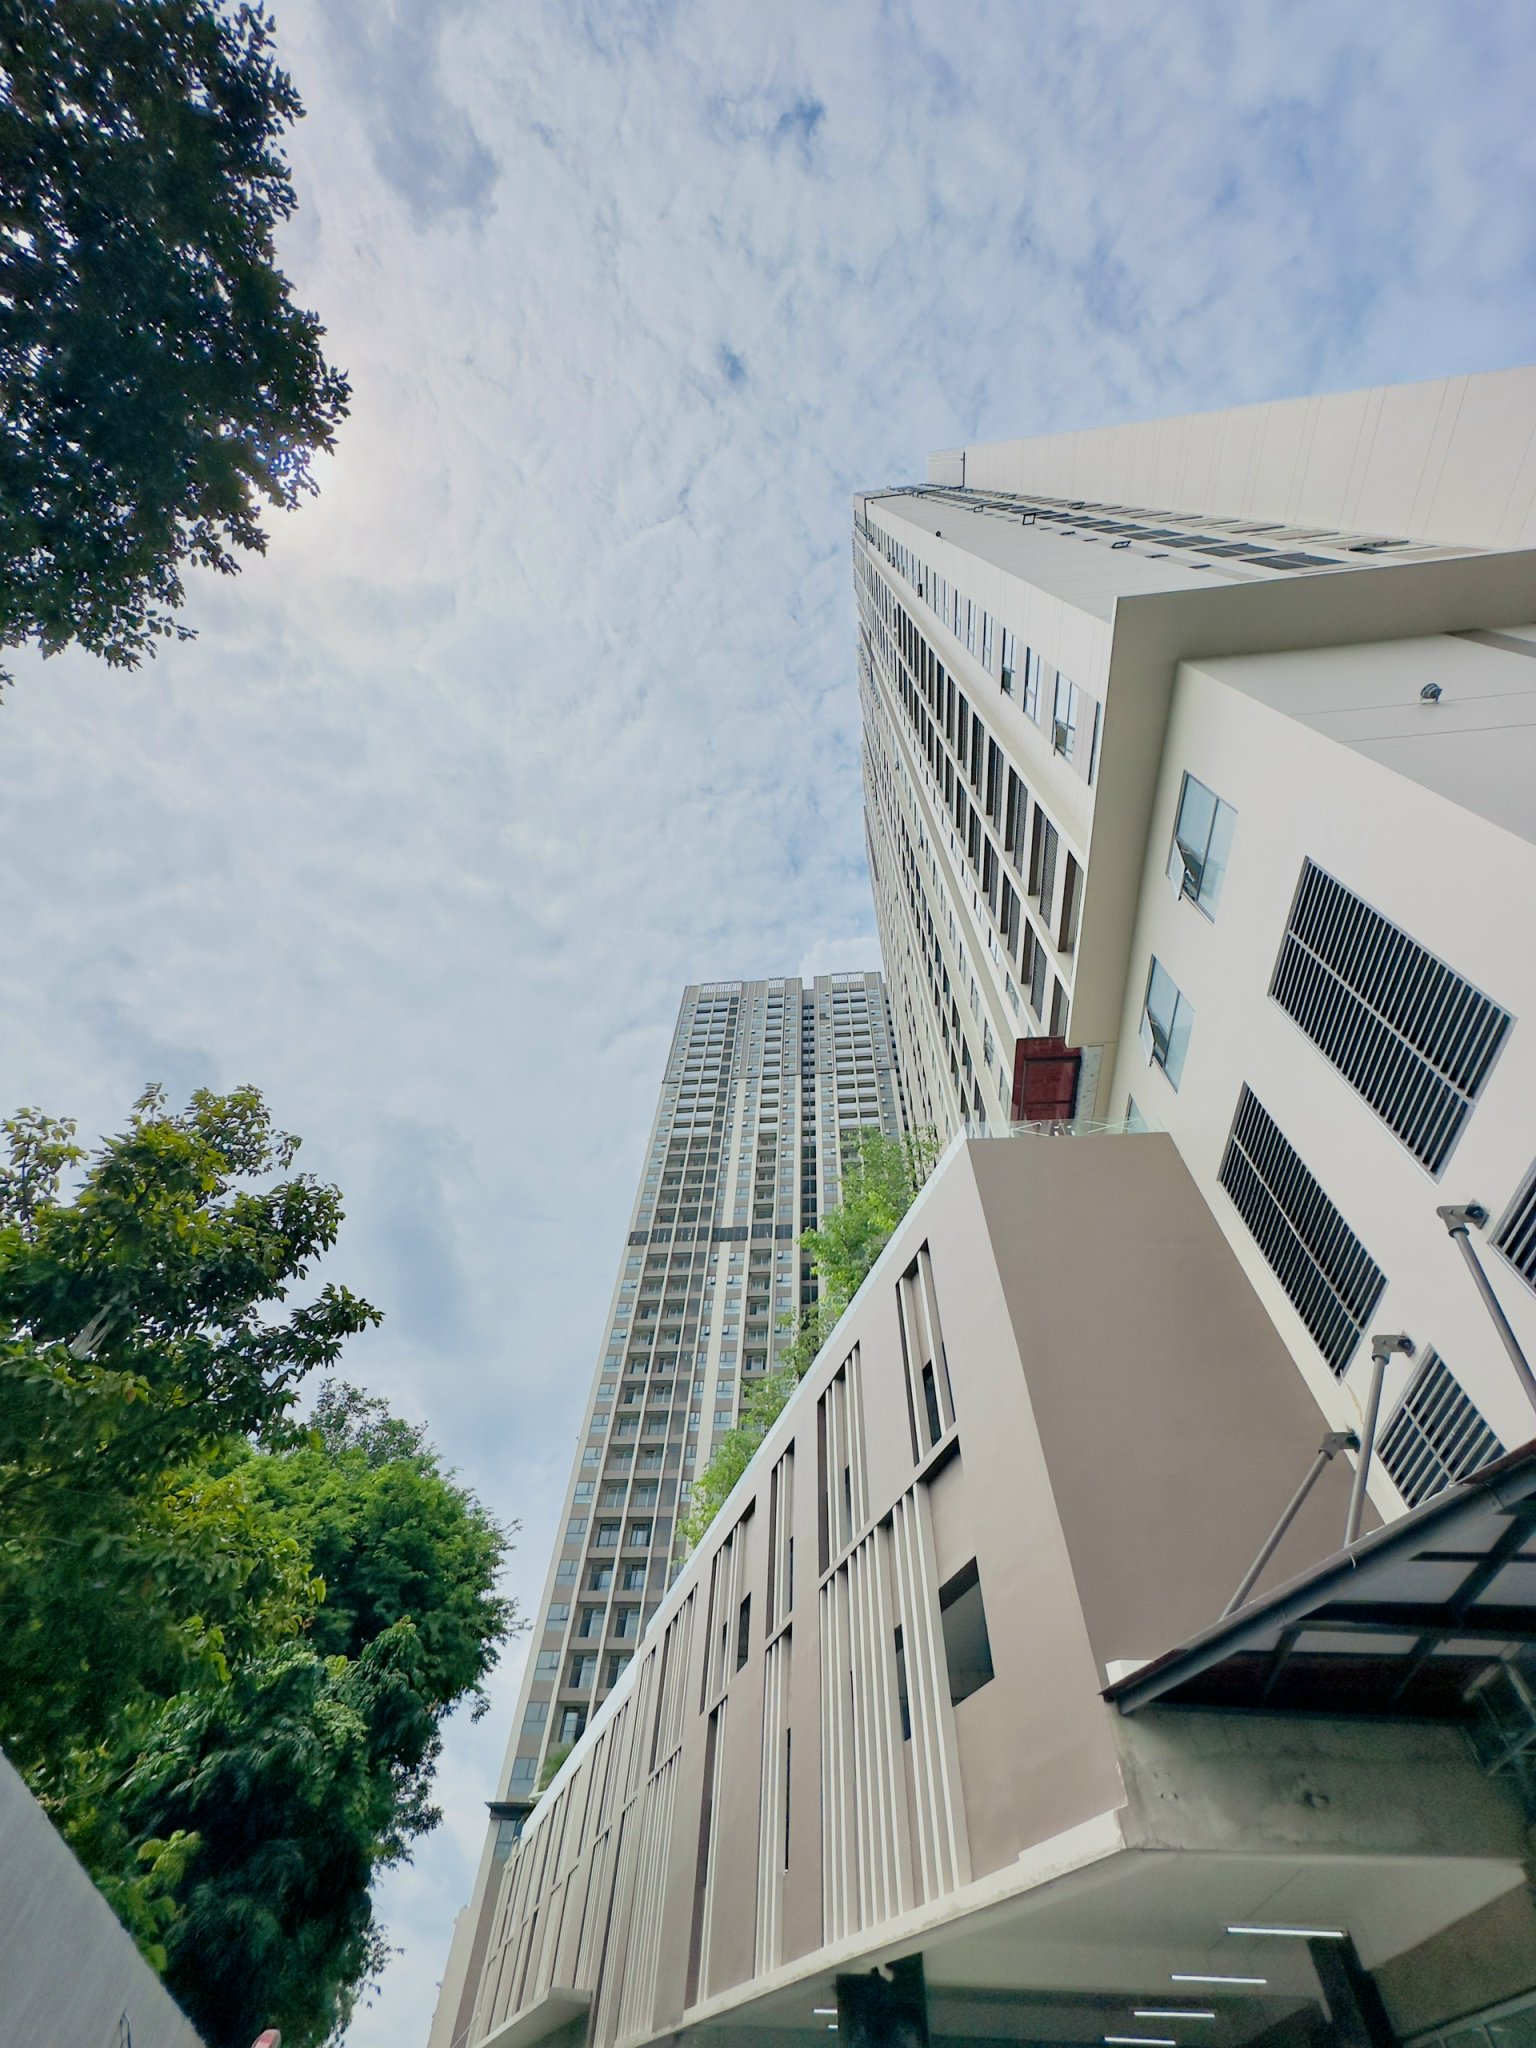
point(393, 1539)
point(142, 1327)
point(289, 1782)
point(228, 1642)
point(881, 1177)
point(157, 384)
point(551, 1766)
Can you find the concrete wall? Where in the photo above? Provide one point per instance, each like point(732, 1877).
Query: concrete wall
point(69, 1975)
point(1451, 461)
point(1274, 736)
point(1125, 1429)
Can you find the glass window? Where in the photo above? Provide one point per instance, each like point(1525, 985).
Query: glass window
point(546, 1664)
point(1064, 720)
point(1031, 695)
point(1202, 841)
point(1166, 1018)
point(967, 1646)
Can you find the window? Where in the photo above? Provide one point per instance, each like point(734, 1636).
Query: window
point(626, 1621)
point(607, 1537)
point(583, 1669)
point(591, 1623)
point(546, 1664)
point(600, 1578)
point(743, 1631)
point(1010, 667)
point(633, 1580)
point(639, 1535)
point(1064, 722)
point(1166, 1018)
point(1437, 1436)
point(1407, 1033)
point(1031, 697)
point(967, 1646)
point(1333, 1282)
point(575, 1528)
point(572, 1722)
point(903, 1697)
point(1202, 840)
point(536, 1715)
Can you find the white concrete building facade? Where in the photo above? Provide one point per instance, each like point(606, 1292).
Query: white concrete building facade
point(1208, 748)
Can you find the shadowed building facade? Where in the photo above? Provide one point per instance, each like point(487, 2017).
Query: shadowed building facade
point(869, 1723)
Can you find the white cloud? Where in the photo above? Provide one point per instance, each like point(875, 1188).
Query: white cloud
point(547, 704)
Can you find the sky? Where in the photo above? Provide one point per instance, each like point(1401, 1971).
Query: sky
point(546, 705)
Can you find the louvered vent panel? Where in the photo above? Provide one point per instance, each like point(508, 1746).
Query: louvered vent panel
point(1516, 1234)
point(1333, 1282)
point(1406, 1031)
point(1437, 1436)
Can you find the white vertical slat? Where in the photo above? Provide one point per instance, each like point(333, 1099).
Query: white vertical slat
point(857, 1459)
point(712, 1858)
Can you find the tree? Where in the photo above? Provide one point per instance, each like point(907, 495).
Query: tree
point(880, 1180)
point(286, 1782)
point(394, 1539)
point(143, 1327)
point(312, 1771)
point(157, 383)
point(228, 1640)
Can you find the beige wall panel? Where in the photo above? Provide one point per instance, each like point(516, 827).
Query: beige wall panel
point(1160, 1520)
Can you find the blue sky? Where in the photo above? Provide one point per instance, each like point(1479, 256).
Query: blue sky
point(547, 704)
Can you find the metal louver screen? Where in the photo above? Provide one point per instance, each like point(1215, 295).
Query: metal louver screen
point(1516, 1234)
point(1437, 1436)
point(1333, 1282)
point(1406, 1031)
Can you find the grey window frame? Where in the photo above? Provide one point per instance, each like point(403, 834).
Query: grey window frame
point(1193, 853)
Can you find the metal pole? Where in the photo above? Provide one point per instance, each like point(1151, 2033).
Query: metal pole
point(1456, 1219)
point(1334, 1442)
point(1382, 1349)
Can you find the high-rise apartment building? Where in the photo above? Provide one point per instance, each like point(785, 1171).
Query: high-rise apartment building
point(1019, 1692)
point(1200, 765)
point(764, 1082)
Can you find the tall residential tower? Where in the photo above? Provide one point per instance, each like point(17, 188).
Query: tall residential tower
point(1048, 1675)
point(764, 1081)
point(1200, 782)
